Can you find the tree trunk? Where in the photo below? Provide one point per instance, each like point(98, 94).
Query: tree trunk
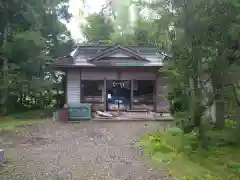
point(213, 112)
point(235, 92)
point(238, 117)
point(3, 109)
point(219, 110)
point(5, 91)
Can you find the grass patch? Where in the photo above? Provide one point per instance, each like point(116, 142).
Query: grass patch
point(12, 122)
point(179, 154)
point(29, 117)
point(34, 114)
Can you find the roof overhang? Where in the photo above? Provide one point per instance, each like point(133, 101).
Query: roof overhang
point(110, 56)
point(64, 62)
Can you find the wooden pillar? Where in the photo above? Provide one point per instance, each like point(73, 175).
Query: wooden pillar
point(158, 93)
point(154, 95)
point(105, 93)
point(118, 75)
point(131, 98)
point(66, 87)
point(80, 96)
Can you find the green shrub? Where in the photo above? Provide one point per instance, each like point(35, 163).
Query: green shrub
point(219, 138)
point(174, 131)
point(159, 144)
point(230, 123)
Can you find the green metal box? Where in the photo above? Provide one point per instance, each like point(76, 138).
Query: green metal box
point(79, 111)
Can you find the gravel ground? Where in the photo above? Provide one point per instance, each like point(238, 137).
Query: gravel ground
point(84, 151)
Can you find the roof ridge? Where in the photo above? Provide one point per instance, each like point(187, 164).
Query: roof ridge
point(135, 50)
point(114, 48)
point(92, 45)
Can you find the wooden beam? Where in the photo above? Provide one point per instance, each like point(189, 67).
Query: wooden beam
point(118, 75)
point(66, 87)
point(157, 89)
point(105, 93)
point(154, 95)
point(80, 88)
point(131, 98)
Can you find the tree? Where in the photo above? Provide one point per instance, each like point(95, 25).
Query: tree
point(98, 28)
point(30, 35)
point(203, 66)
point(112, 25)
point(201, 49)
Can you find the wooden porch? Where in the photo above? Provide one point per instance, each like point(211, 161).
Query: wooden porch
point(133, 116)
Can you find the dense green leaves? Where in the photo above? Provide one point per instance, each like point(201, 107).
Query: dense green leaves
point(98, 28)
point(31, 35)
point(201, 52)
point(203, 69)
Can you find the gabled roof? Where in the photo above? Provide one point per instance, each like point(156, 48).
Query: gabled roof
point(115, 49)
point(63, 61)
point(90, 55)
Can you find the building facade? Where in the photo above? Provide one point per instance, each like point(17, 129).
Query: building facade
point(105, 75)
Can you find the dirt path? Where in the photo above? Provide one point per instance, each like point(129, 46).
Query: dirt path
point(84, 151)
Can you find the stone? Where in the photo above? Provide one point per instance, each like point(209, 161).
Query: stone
point(1, 156)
